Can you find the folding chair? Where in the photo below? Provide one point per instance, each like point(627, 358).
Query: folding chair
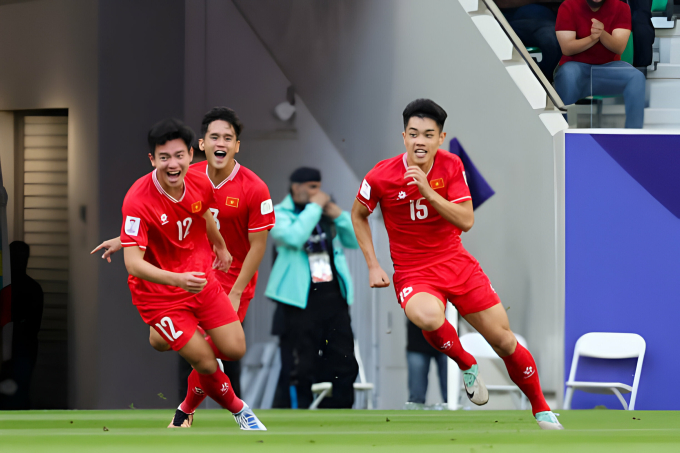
point(607, 345)
point(475, 344)
point(324, 389)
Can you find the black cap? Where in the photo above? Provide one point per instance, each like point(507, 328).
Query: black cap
point(305, 174)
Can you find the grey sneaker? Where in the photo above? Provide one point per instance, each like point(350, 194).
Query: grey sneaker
point(247, 420)
point(474, 386)
point(548, 420)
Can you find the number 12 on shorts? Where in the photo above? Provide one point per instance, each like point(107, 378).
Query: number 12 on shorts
point(167, 322)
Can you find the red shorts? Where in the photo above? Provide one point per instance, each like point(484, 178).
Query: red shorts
point(211, 308)
point(227, 280)
point(473, 295)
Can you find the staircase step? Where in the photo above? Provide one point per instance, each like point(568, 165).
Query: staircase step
point(665, 71)
point(668, 117)
point(664, 93)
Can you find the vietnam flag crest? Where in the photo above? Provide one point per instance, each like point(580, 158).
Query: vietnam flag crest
point(196, 207)
point(232, 202)
point(437, 183)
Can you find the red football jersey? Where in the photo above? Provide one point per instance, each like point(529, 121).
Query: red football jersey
point(419, 236)
point(243, 205)
point(171, 232)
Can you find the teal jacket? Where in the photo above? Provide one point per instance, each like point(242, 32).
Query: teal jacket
point(290, 279)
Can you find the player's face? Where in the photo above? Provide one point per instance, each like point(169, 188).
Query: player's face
point(220, 144)
point(172, 161)
point(303, 191)
point(422, 138)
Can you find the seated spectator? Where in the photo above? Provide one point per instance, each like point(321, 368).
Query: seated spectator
point(534, 23)
point(593, 34)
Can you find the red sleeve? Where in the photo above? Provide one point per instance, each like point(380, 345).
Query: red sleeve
point(134, 231)
point(369, 194)
point(260, 209)
point(458, 190)
point(566, 21)
point(623, 18)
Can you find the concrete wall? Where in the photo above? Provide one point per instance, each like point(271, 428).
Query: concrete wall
point(141, 80)
point(48, 51)
point(356, 64)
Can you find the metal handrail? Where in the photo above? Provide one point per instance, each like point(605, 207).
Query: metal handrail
point(517, 44)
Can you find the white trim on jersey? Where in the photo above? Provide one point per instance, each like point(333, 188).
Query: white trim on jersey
point(229, 178)
point(162, 191)
point(130, 244)
point(364, 203)
point(428, 171)
point(261, 228)
point(461, 199)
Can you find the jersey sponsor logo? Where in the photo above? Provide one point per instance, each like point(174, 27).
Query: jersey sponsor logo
point(266, 207)
point(164, 219)
point(232, 202)
point(437, 183)
point(132, 226)
point(365, 190)
point(196, 207)
point(401, 195)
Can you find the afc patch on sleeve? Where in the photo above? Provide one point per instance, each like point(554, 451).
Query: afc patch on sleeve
point(132, 226)
point(365, 190)
point(266, 207)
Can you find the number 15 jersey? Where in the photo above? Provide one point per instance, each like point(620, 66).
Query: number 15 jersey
point(171, 232)
point(419, 236)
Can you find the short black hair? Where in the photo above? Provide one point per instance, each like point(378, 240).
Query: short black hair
point(167, 130)
point(224, 114)
point(425, 108)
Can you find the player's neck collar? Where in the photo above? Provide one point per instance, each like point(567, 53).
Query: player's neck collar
point(405, 159)
point(160, 188)
point(231, 176)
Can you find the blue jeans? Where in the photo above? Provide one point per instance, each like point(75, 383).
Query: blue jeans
point(418, 369)
point(535, 27)
point(574, 81)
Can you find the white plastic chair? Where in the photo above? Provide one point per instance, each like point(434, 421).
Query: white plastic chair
point(324, 389)
point(607, 345)
point(475, 344)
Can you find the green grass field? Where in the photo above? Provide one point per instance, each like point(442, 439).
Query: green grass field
point(351, 431)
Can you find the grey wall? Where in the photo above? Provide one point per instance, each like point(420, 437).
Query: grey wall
point(356, 64)
point(48, 51)
point(141, 80)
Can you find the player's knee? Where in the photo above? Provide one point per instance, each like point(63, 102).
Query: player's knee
point(238, 350)
point(205, 365)
point(427, 318)
point(504, 343)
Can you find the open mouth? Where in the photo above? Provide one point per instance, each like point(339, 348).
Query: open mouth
point(220, 154)
point(174, 175)
point(420, 153)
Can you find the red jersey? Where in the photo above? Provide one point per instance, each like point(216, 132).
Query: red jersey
point(575, 15)
point(419, 236)
point(171, 232)
point(243, 205)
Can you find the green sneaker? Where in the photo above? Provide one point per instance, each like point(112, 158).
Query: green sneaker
point(474, 386)
point(548, 420)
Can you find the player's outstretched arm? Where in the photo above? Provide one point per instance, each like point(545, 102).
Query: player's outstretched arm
point(223, 257)
point(377, 277)
point(110, 247)
point(258, 246)
point(192, 282)
point(459, 214)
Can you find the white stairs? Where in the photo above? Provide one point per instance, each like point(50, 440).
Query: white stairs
point(663, 81)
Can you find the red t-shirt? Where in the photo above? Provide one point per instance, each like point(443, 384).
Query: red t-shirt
point(171, 232)
point(576, 15)
point(419, 236)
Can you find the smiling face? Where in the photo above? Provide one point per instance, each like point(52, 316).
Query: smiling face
point(422, 138)
point(172, 160)
point(220, 144)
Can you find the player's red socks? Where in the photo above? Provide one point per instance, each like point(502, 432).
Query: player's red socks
point(522, 370)
point(195, 394)
point(218, 387)
point(445, 339)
